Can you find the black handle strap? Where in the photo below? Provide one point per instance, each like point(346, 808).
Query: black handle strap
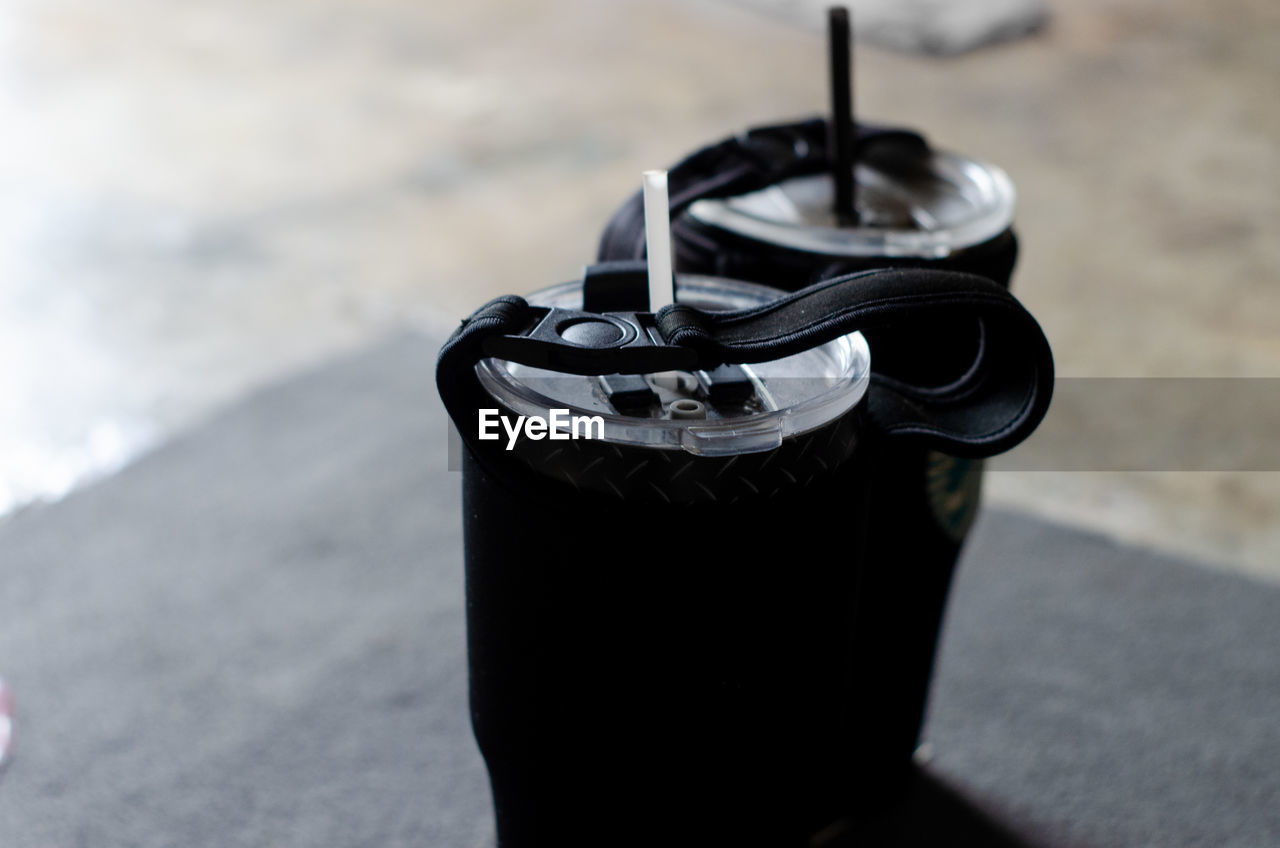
point(758, 158)
point(995, 403)
point(992, 406)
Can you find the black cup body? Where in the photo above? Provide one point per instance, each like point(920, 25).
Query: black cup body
point(654, 672)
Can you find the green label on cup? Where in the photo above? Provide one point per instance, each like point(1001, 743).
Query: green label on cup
point(954, 486)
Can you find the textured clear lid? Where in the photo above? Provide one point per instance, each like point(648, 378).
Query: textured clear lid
point(791, 395)
point(910, 206)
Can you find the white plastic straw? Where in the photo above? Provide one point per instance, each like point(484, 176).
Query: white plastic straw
point(657, 235)
point(6, 723)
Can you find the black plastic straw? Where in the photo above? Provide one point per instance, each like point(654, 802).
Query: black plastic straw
point(841, 135)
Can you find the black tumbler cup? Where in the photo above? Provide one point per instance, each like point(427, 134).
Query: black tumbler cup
point(759, 207)
point(662, 617)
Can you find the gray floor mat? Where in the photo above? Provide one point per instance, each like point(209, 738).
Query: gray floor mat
point(254, 637)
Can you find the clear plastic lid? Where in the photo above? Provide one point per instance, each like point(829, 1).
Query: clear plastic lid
point(924, 207)
point(788, 396)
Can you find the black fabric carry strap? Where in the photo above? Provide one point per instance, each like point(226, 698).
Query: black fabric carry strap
point(996, 403)
point(754, 160)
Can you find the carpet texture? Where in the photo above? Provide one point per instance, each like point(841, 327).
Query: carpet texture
point(254, 637)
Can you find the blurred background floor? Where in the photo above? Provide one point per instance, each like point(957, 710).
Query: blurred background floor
point(200, 197)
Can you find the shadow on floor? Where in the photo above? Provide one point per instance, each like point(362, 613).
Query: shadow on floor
point(932, 814)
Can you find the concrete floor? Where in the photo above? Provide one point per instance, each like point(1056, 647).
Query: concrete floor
point(200, 197)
